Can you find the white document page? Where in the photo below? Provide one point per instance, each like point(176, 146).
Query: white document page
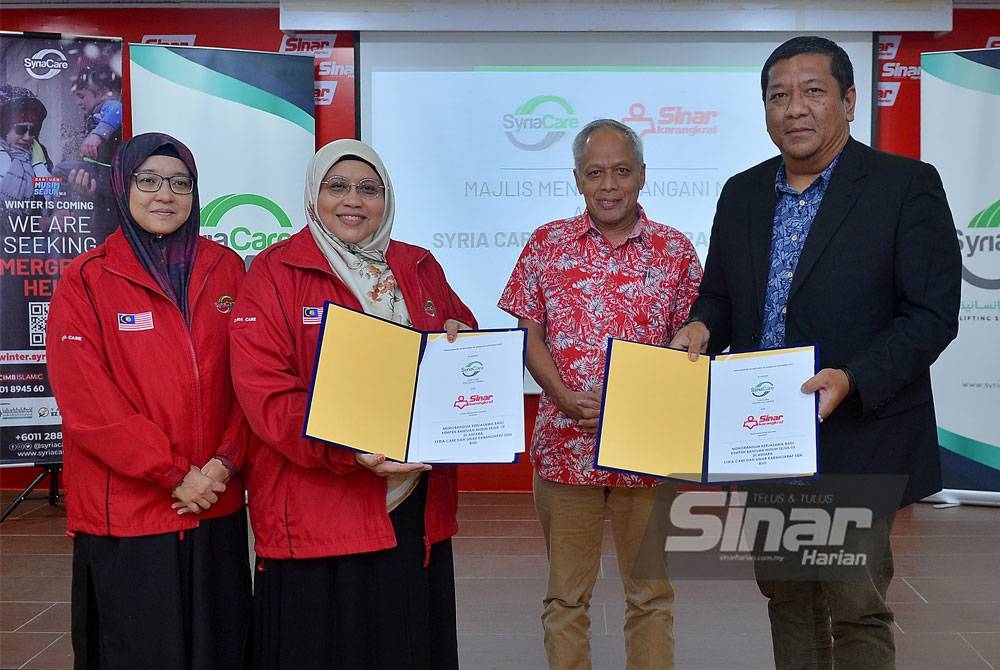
point(469, 405)
point(761, 425)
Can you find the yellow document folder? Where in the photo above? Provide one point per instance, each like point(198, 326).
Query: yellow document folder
point(364, 384)
point(659, 427)
point(729, 417)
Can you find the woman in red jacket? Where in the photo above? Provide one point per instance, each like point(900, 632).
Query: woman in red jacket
point(138, 355)
point(354, 563)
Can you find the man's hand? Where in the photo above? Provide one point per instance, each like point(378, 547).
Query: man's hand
point(582, 406)
point(383, 468)
point(196, 492)
point(693, 338)
point(833, 386)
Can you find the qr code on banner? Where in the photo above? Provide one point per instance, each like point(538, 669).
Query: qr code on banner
point(38, 316)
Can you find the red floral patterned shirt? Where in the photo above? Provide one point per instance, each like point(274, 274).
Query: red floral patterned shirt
point(582, 290)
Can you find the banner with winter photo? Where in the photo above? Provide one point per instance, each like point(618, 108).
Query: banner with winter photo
point(61, 122)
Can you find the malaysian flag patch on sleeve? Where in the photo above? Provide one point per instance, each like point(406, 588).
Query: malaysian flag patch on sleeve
point(312, 315)
point(138, 321)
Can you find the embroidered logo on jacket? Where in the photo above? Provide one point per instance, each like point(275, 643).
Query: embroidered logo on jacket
point(224, 304)
point(138, 321)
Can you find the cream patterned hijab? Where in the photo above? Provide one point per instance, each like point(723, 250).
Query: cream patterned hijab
point(362, 266)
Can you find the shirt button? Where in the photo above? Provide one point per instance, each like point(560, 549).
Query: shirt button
point(784, 310)
point(802, 203)
point(790, 274)
point(794, 237)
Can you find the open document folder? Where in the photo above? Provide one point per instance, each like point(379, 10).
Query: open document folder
point(730, 417)
point(380, 387)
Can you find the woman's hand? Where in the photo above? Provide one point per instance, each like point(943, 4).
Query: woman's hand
point(452, 326)
point(383, 468)
point(196, 492)
point(216, 469)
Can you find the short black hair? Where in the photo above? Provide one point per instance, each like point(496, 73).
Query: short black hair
point(840, 63)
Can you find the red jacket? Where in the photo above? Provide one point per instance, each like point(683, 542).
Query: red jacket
point(140, 406)
point(309, 499)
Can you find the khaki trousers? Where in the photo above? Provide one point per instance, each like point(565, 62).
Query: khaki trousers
point(573, 523)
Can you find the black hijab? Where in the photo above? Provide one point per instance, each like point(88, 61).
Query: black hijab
point(167, 258)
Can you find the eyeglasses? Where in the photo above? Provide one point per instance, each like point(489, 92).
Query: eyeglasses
point(366, 188)
point(150, 182)
point(25, 129)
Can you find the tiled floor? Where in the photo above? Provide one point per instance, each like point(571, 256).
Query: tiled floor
point(946, 593)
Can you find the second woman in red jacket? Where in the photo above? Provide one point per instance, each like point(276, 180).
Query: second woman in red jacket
point(354, 562)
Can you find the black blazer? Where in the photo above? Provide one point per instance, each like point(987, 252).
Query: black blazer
point(877, 288)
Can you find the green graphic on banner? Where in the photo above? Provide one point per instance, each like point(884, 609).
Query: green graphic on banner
point(963, 72)
point(988, 218)
point(241, 238)
point(167, 64)
point(980, 452)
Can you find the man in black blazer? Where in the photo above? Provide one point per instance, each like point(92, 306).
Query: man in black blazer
point(835, 244)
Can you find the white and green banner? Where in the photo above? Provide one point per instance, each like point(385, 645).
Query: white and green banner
point(960, 106)
point(248, 118)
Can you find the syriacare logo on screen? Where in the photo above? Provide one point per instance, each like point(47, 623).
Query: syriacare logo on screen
point(540, 122)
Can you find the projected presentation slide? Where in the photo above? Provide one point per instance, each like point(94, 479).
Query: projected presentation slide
point(476, 131)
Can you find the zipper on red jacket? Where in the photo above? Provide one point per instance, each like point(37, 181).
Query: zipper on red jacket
point(107, 500)
point(200, 434)
point(200, 443)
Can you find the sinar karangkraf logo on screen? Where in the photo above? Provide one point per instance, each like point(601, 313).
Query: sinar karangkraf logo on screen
point(45, 63)
point(540, 122)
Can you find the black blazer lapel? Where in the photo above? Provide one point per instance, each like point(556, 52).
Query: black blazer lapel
point(845, 187)
point(762, 204)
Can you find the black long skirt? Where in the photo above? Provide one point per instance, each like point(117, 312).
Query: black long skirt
point(163, 602)
point(377, 611)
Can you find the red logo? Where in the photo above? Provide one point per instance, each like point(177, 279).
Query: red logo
point(319, 45)
point(323, 92)
point(672, 119)
point(888, 45)
point(887, 92)
point(461, 403)
point(171, 40)
point(763, 420)
point(993, 42)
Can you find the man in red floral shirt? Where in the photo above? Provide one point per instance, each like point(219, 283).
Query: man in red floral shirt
point(610, 272)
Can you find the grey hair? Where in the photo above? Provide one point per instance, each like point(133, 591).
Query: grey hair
point(580, 142)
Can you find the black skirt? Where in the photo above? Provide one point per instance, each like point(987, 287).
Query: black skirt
point(382, 610)
point(163, 602)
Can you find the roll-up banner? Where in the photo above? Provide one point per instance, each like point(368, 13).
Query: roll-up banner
point(248, 118)
point(960, 105)
point(61, 118)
